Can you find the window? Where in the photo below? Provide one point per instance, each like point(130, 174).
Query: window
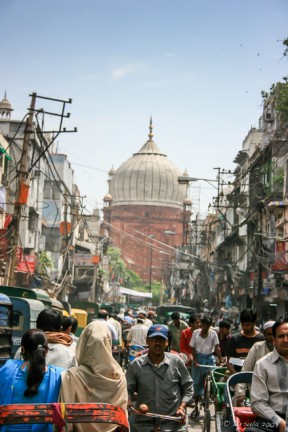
point(51, 190)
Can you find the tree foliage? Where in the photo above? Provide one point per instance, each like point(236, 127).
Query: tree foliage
point(119, 273)
point(44, 265)
point(279, 92)
point(285, 43)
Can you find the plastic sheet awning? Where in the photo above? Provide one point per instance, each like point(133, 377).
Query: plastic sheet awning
point(134, 293)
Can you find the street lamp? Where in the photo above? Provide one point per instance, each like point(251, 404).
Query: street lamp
point(185, 180)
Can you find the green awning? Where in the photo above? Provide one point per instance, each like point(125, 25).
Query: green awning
point(2, 150)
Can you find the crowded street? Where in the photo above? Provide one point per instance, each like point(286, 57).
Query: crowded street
point(144, 216)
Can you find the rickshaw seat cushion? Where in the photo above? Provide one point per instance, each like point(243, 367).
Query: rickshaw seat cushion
point(244, 417)
point(245, 414)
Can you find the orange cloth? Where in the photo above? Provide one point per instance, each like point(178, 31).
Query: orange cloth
point(58, 337)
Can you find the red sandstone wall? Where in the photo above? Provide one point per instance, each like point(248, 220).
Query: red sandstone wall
point(128, 222)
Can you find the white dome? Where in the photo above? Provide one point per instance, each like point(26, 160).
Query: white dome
point(147, 178)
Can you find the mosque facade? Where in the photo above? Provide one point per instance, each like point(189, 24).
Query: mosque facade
point(146, 211)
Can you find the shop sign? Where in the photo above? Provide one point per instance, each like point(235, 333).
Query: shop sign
point(281, 257)
point(27, 264)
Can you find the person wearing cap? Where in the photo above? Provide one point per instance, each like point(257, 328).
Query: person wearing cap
point(143, 315)
point(260, 349)
point(162, 382)
point(269, 389)
point(176, 326)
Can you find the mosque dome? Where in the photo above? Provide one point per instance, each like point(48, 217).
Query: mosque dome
point(5, 107)
point(147, 178)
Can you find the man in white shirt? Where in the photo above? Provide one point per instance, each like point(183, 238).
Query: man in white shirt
point(62, 348)
point(203, 344)
point(137, 334)
point(116, 324)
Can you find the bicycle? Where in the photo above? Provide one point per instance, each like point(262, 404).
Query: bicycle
point(214, 386)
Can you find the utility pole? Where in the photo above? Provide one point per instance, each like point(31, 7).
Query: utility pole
point(24, 172)
point(22, 180)
point(151, 236)
point(65, 250)
point(259, 295)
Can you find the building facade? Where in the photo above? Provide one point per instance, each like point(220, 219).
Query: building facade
point(145, 212)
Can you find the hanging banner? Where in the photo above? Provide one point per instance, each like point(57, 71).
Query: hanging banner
point(27, 265)
point(281, 257)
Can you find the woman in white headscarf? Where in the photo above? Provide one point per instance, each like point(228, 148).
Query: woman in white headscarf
point(98, 378)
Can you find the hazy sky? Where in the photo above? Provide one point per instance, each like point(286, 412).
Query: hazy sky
point(197, 66)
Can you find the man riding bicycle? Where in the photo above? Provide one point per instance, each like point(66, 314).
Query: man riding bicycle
point(204, 343)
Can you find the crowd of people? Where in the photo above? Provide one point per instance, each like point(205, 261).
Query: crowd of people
point(167, 376)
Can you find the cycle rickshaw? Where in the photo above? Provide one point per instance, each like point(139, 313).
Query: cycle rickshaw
point(214, 393)
point(60, 414)
point(232, 418)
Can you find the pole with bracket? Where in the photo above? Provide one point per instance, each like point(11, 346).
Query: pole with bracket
point(22, 180)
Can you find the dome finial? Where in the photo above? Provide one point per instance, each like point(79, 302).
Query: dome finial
point(151, 129)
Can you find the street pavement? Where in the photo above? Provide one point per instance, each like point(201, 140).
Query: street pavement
point(197, 424)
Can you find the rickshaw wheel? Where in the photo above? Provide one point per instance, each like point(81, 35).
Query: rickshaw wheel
point(206, 421)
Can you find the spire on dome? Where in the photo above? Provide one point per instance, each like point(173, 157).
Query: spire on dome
point(150, 147)
point(151, 135)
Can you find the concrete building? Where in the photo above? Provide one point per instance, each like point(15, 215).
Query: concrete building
point(49, 207)
point(31, 219)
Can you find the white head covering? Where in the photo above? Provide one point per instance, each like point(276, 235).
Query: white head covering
point(98, 377)
point(268, 324)
point(142, 311)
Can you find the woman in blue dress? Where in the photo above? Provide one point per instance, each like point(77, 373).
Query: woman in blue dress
point(30, 380)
